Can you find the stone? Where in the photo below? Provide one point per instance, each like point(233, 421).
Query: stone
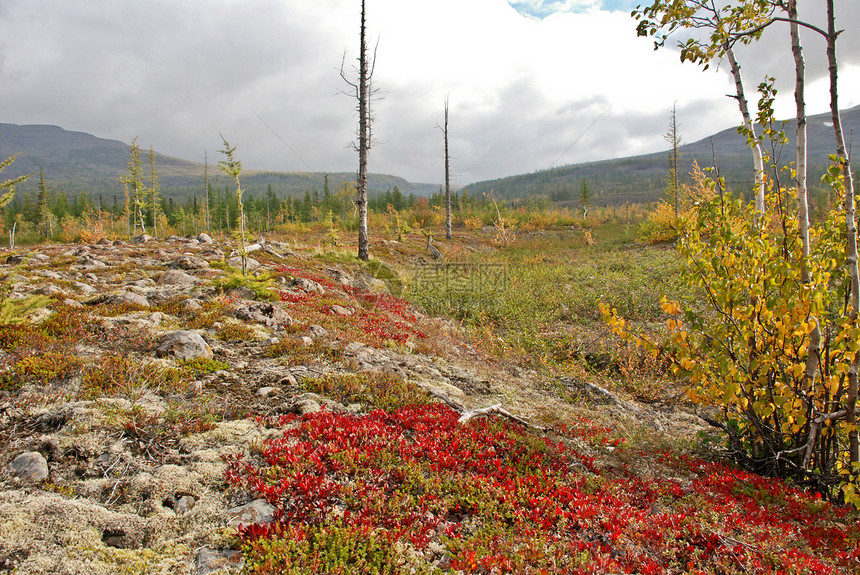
point(306, 405)
point(187, 262)
point(267, 391)
point(265, 313)
point(177, 278)
point(205, 238)
point(242, 293)
point(129, 298)
point(210, 560)
point(305, 285)
point(195, 388)
point(142, 283)
point(50, 290)
point(250, 263)
point(340, 310)
point(184, 504)
point(318, 331)
point(85, 289)
point(141, 239)
point(192, 304)
point(184, 345)
point(257, 511)
point(73, 303)
point(29, 466)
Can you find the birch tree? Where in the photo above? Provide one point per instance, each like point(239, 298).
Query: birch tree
point(822, 406)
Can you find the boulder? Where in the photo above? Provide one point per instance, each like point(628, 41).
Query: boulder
point(129, 298)
point(205, 238)
point(340, 310)
point(257, 511)
point(189, 263)
point(177, 278)
point(222, 560)
point(250, 263)
point(29, 466)
point(265, 313)
point(183, 345)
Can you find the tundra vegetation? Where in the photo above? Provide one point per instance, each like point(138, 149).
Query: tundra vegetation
point(391, 414)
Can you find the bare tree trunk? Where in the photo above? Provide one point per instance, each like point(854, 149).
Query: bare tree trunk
point(800, 166)
point(758, 155)
point(447, 177)
point(850, 225)
point(206, 185)
point(814, 350)
point(363, 140)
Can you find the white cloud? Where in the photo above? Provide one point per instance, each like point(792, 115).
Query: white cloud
point(522, 88)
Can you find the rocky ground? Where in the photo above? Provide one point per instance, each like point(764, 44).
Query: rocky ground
point(138, 365)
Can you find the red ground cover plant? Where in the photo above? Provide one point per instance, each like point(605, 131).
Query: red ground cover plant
point(412, 491)
point(378, 319)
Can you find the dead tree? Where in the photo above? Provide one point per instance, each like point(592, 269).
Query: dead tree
point(447, 176)
point(363, 92)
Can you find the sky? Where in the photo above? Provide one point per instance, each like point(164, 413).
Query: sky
point(531, 84)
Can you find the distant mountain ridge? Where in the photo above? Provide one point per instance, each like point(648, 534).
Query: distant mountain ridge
point(77, 161)
point(642, 179)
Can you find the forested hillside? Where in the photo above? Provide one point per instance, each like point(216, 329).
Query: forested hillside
point(76, 162)
point(642, 179)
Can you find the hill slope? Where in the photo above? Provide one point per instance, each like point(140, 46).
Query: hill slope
point(76, 162)
point(643, 178)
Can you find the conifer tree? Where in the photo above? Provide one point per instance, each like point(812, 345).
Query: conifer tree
point(233, 167)
point(133, 180)
point(152, 192)
point(43, 203)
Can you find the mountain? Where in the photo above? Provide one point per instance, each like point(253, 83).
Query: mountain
point(75, 162)
point(642, 179)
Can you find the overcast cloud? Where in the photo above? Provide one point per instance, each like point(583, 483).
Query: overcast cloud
point(526, 79)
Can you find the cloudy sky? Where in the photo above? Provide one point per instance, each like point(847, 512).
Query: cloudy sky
point(531, 83)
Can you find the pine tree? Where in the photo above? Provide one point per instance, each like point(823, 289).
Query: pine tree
point(46, 217)
point(152, 192)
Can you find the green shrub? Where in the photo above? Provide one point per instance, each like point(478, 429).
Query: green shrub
point(377, 388)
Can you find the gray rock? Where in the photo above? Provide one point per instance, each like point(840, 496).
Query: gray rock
point(183, 345)
point(265, 313)
point(50, 290)
point(184, 504)
point(340, 310)
point(177, 278)
point(85, 289)
point(250, 263)
point(189, 263)
point(257, 511)
point(192, 304)
point(141, 239)
point(267, 391)
point(318, 331)
point(306, 405)
point(305, 285)
point(210, 560)
point(205, 238)
point(129, 298)
point(30, 466)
